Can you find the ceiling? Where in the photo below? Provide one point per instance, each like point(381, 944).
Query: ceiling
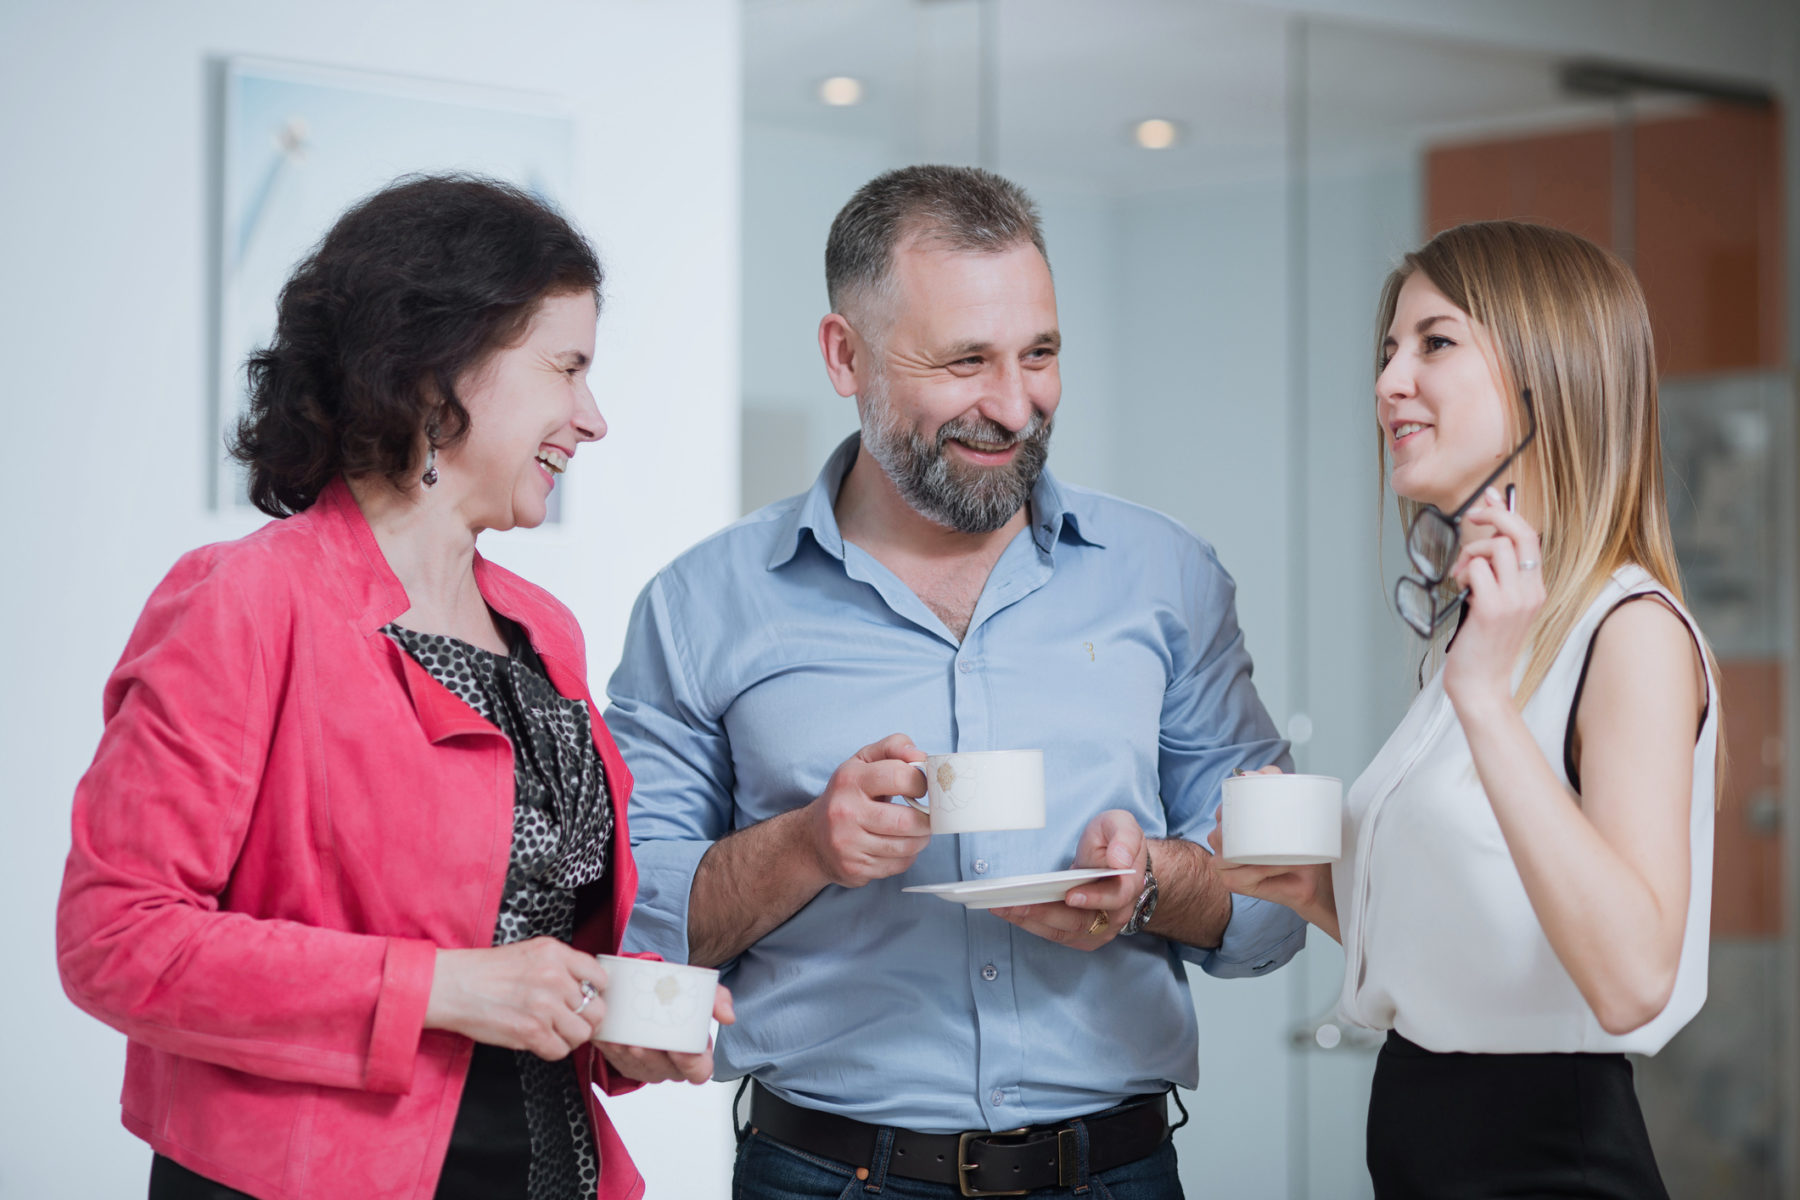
point(1066, 81)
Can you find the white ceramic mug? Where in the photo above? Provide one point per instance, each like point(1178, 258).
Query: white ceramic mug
point(983, 790)
point(1282, 820)
point(657, 1005)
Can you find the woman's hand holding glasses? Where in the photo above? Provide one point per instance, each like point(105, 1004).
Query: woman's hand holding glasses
point(1502, 572)
point(1433, 540)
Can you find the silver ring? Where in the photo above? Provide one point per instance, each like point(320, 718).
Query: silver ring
point(587, 995)
point(1528, 564)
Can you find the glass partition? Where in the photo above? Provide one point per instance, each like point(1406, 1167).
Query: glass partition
point(1217, 298)
point(1682, 180)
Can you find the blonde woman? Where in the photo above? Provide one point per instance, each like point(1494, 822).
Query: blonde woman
point(1524, 894)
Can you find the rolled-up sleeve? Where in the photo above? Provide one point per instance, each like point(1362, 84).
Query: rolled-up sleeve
point(681, 759)
point(1213, 721)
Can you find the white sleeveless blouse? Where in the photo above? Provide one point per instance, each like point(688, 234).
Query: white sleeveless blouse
point(1440, 939)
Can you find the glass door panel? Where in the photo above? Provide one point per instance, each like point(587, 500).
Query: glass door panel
point(1407, 136)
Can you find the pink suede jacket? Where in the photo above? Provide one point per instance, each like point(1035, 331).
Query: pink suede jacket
point(285, 819)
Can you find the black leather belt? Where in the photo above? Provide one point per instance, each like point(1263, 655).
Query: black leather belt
point(978, 1163)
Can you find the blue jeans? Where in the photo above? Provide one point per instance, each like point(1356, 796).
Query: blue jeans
point(772, 1170)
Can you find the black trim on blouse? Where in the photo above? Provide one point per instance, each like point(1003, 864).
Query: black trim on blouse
point(1569, 767)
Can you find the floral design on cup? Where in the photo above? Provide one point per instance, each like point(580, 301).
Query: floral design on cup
point(663, 1002)
point(657, 1005)
point(954, 787)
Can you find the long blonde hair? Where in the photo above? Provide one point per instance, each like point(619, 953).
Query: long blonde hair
point(1568, 321)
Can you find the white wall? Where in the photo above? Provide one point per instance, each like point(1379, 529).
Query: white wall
point(103, 236)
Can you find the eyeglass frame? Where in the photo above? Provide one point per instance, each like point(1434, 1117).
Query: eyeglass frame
point(1423, 580)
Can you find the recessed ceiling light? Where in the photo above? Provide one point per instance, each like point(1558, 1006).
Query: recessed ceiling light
point(1157, 134)
point(840, 91)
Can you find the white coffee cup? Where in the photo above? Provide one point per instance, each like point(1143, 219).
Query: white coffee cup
point(1282, 820)
point(657, 1005)
point(983, 790)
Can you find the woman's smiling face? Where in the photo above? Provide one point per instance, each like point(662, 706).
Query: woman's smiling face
point(529, 409)
point(1439, 399)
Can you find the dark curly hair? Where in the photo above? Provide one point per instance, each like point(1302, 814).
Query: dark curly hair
point(412, 288)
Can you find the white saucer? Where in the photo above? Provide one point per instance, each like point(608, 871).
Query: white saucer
point(1282, 860)
point(1014, 889)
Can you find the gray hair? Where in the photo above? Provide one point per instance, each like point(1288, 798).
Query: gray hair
point(959, 208)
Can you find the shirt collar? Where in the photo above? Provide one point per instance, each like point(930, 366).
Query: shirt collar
point(1053, 512)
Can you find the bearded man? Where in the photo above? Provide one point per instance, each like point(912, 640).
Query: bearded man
point(937, 588)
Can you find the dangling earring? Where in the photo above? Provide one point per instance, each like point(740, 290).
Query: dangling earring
point(430, 477)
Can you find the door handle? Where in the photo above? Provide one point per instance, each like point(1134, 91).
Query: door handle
point(1329, 1033)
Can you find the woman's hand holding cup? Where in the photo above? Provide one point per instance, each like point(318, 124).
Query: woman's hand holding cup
point(655, 1066)
point(540, 995)
point(1304, 888)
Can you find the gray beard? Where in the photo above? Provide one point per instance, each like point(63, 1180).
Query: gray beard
point(968, 500)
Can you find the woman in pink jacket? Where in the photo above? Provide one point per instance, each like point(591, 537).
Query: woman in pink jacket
point(355, 830)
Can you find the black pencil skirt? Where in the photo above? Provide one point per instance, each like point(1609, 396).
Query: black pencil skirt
point(1468, 1126)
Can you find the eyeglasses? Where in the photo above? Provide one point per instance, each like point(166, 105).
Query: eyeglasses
point(1432, 544)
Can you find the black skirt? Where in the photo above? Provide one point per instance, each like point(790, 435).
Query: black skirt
point(1476, 1126)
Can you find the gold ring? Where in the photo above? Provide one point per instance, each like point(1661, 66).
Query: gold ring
point(1097, 924)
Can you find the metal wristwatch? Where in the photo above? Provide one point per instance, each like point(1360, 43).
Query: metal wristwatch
point(1146, 902)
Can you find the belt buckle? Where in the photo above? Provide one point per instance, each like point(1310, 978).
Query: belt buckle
point(963, 1168)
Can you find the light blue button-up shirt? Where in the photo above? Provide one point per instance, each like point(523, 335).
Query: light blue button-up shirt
point(764, 657)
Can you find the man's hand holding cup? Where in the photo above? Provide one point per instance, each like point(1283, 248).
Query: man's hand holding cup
point(858, 834)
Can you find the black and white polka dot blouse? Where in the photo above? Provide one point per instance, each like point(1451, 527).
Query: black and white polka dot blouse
point(562, 831)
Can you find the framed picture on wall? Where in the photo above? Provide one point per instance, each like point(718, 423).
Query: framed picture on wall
point(300, 144)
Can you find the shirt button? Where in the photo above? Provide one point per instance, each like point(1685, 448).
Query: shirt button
point(998, 1098)
point(981, 866)
point(989, 973)
point(965, 666)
